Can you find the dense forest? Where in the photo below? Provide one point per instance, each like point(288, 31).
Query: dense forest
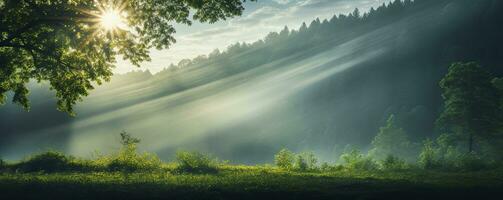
point(330, 83)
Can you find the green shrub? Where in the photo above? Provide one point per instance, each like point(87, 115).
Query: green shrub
point(284, 159)
point(393, 163)
point(354, 160)
point(305, 162)
point(300, 163)
point(195, 162)
point(128, 160)
point(134, 162)
point(428, 156)
point(51, 161)
point(471, 162)
point(325, 167)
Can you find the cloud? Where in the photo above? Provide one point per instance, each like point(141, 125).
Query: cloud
point(282, 1)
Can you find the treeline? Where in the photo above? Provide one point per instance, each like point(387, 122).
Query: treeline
point(288, 41)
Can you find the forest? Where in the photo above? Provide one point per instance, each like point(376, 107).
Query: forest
point(400, 101)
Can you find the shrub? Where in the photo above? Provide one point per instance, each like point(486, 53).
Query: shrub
point(284, 159)
point(134, 162)
point(471, 162)
point(195, 162)
point(51, 161)
point(300, 163)
point(354, 160)
point(305, 162)
point(393, 163)
point(428, 158)
point(128, 160)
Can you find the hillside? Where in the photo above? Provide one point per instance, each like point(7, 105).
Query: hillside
point(330, 83)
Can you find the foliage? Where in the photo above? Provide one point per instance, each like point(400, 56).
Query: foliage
point(62, 42)
point(393, 163)
point(354, 160)
point(471, 102)
point(284, 159)
point(427, 157)
point(51, 161)
point(444, 154)
point(300, 163)
point(128, 159)
point(305, 161)
point(391, 140)
point(195, 162)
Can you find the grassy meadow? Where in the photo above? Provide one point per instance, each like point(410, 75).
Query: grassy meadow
point(131, 175)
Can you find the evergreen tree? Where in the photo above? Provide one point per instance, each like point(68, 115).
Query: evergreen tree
point(470, 102)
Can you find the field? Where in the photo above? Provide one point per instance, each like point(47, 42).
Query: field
point(253, 182)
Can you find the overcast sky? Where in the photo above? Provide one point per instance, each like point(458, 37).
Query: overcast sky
point(258, 19)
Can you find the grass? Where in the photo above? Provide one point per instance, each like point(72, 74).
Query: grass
point(252, 182)
point(128, 174)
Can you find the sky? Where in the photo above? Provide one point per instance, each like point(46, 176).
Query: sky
point(258, 19)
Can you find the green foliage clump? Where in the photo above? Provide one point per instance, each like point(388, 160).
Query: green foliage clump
point(391, 140)
point(128, 159)
point(393, 163)
point(471, 102)
point(354, 160)
point(444, 154)
point(195, 162)
point(51, 161)
point(306, 161)
point(284, 159)
point(427, 157)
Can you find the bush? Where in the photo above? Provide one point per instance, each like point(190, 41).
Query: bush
point(128, 159)
point(51, 161)
point(354, 160)
point(284, 159)
point(428, 158)
point(195, 162)
point(300, 163)
point(471, 162)
point(134, 162)
point(393, 163)
point(305, 162)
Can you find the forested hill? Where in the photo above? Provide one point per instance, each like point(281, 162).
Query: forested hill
point(329, 83)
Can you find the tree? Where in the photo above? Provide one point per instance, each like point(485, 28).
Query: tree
point(74, 43)
point(470, 102)
point(391, 140)
point(284, 159)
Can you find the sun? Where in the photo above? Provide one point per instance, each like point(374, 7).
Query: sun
point(112, 19)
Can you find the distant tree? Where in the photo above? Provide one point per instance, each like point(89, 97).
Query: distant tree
point(470, 102)
point(66, 43)
point(284, 159)
point(303, 27)
point(356, 13)
point(284, 33)
point(184, 63)
point(391, 140)
point(215, 53)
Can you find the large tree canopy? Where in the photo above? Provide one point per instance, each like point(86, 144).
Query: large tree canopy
point(470, 102)
point(74, 43)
